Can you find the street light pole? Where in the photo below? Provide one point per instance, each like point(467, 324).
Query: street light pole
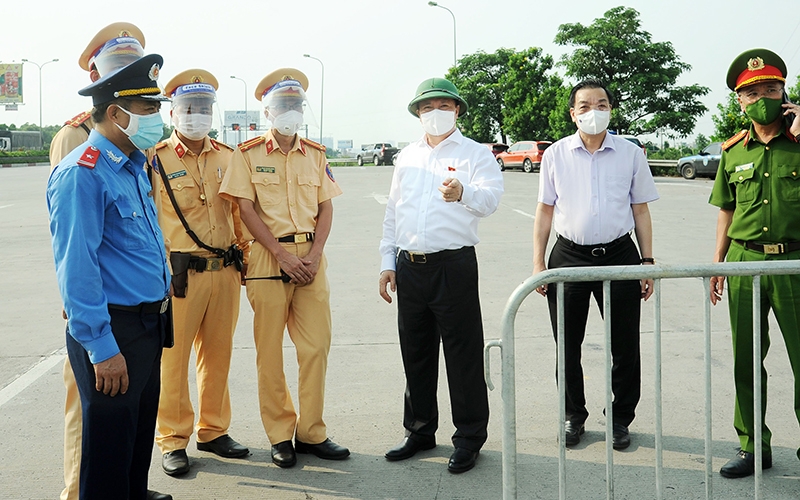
point(321, 95)
point(434, 4)
point(40, 66)
point(246, 125)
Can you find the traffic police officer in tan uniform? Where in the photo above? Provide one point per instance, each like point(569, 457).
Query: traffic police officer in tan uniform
point(113, 47)
point(206, 309)
point(284, 187)
point(758, 194)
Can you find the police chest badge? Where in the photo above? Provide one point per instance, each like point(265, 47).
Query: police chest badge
point(265, 170)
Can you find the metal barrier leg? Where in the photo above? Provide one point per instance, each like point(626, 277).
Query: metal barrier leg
point(707, 376)
point(562, 393)
point(657, 347)
point(759, 421)
point(609, 397)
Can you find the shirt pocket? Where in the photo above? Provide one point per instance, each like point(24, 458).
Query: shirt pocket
point(745, 184)
point(788, 187)
point(127, 226)
point(308, 189)
point(187, 194)
point(268, 188)
point(618, 188)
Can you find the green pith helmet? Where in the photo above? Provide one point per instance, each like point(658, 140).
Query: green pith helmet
point(436, 87)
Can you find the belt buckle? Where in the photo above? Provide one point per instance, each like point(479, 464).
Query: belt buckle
point(418, 257)
point(214, 263)
point(774, 249)
point(598, 251)
point(164, 305)
point(301, 238)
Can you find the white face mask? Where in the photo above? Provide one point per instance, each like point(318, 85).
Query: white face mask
point(438, 122)
point(287, 123)
point(593, 121)
point(192, 126)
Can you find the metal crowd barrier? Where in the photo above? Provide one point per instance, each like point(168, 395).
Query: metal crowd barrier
point(616, 273)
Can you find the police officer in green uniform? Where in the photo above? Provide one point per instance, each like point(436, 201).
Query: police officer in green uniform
point(757, 190)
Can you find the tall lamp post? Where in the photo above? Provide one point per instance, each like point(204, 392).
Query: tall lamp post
point(246, 125)
point(40, 66)
point(321, 95)
point(434, 4)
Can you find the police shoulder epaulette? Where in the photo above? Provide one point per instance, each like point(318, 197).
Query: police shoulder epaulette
point(733, 140)
point(161, 145)
point(218, 145)
point(89, 157)
point(313, 144)
point(77, 120)
point(251, 143)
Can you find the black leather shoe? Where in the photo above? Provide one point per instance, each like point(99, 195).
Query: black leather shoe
point(283, 454)
point(326, 449)
point(462, 460)
point(572, 433)
point(154, 495)
point(622, 438)
point(744, 464)
point(224, 446)
point(175, 463)
point(408, 447)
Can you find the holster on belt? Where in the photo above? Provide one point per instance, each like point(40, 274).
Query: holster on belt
point(180, 272)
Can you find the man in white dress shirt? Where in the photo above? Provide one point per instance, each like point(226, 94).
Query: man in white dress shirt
point(442, 185)
point(594, 188)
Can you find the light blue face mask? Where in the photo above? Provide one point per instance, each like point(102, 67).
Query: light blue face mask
point(144, 131)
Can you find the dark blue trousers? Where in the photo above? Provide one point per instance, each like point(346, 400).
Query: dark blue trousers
point(118, 432)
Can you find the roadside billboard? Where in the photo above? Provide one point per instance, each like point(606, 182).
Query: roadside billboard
point(10, 83)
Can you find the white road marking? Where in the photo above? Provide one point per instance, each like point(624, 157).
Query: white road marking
point(6, 206)
point(381, 198)
point(23, 382)
point(526, 214)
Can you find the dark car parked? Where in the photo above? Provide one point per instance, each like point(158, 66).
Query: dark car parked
point(704, 164)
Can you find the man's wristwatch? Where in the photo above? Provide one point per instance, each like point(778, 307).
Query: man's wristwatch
point(648, 260)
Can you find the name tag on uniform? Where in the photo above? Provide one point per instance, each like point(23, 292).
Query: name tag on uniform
point(746, 166)
point(266, 170)
point(175, 175)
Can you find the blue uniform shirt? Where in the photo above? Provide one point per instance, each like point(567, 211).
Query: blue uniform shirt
point(107, 245)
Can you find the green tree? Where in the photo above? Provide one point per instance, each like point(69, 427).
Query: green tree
point(477, 77)
point(641, 73)
point(530, 95)
point(701, 142)
point(794, 92)
point(729, 119)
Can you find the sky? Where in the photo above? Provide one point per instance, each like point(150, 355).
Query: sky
point(374, 53)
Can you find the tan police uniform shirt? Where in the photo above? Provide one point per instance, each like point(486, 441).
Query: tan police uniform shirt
point(74, 133)
point(195, 182)
point(286, 188)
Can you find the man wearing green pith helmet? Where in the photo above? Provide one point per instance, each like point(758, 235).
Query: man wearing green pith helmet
point(442, 185)
point(758, 194)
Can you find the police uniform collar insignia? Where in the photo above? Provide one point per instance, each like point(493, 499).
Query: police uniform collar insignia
point(270, 146)
point(153, 74)
point(755, 64)
point(179, 150)
point(302, 147)
point(89, 157)
point(113, 157)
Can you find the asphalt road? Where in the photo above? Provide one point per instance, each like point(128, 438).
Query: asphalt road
point(365, 376)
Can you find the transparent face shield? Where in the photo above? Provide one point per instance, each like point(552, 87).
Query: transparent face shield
point(115, 54)
point(192, 110)
point(287, 108)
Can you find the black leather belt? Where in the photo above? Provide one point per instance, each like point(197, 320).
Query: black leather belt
point(202, 264)
point(770, 249)
point(159, 307)
point(297, 238)
point(430, 258)
point(595, 250)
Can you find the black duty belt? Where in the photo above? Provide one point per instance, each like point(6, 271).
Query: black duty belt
point(770, 249)
point(159, 307)
point(595, 250)
point(297, 238)
point(202, 264)
point(430, 258)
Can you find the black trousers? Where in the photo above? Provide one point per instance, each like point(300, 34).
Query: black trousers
point(439, 301)
point(118, 432)
point(625, 316)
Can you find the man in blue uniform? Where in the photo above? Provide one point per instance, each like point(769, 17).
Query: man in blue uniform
point(114, 280)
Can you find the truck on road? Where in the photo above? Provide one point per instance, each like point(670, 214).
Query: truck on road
point(380, 153)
